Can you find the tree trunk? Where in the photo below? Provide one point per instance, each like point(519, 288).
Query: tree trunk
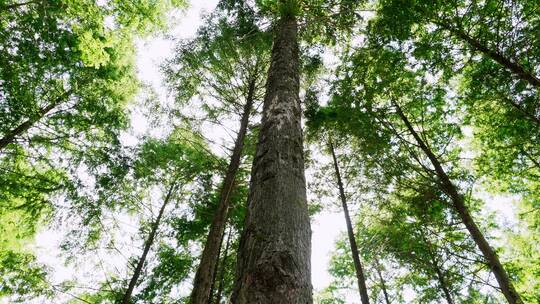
point(437, 268)
point(350, 231)
point(381, 280)
point(442, 281)
point(214, 275)
point(221, 279)
point(274, 255)
point(10, 136)
point(514, 67)
point(459, 204)
point(149, 241)
point(201, 293)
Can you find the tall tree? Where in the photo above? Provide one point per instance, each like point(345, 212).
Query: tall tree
point(230, 58)
point(220, 278)
point(390, 81)
point(350, 230)
point(274, 255)
point(459, 204)
point(494, 55)
point(224, 62)
point(67, 72)
point(382, 281)
point(126, 299)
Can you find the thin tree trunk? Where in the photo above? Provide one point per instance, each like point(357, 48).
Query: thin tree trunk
point(201, 293)
point(437, 268)
point(274, 255)
point(10, 136)
point(442, 281)
point(523, 112)
point(531, 158)
point(507, 63)
point(221, 280)
point(459, 204)
point(381, 280)
point(350, 231)
point(149, 241)
point(216, 268)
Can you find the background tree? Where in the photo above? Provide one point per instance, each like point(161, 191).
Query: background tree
point(377, 106)
point(67, 75)
point(223, 66)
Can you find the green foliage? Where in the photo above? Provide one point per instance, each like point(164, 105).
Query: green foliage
point(21, 275)
point(173, 268)
point(217, 67)
point(462, 72)
point(372, 81)
point(67, 72)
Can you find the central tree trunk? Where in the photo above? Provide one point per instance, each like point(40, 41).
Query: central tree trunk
point(204, 277)
point(459, 204)
point(274, 256)
point(350, 231)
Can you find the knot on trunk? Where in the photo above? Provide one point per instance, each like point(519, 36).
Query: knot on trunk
point(276, 272)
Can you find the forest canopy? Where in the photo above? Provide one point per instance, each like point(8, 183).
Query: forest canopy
point(210, 175)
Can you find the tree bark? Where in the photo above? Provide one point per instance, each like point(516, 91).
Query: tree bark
point(274, 255)
point(361, 280)
point(381, 280)
point(10, 136)
point(126, 299)
point(214, 275)
point(201, 293)
point(221, 279)
point(458, 202)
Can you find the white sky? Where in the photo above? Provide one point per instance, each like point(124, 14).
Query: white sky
point(326, 226)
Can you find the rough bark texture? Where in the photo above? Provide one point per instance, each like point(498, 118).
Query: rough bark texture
point(126, 299)
point(381, 281)
point(459, 204)
point(350, 231)
point(204, 278)
point(274, 256)
point(23, 127)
